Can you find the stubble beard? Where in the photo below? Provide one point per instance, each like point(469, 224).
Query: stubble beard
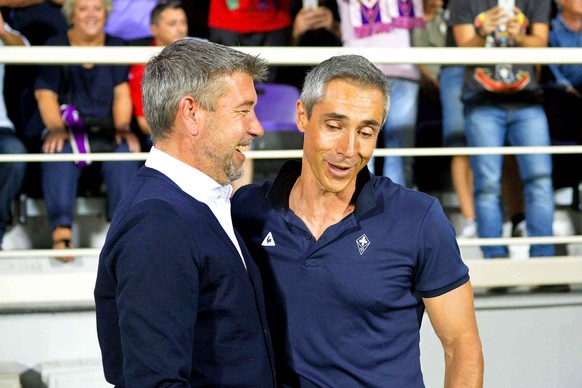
point(232, 171)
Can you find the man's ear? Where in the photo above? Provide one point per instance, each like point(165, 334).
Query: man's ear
point(190, 113)
point(301, 117)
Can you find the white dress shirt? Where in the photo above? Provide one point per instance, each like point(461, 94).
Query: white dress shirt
point(199, 186)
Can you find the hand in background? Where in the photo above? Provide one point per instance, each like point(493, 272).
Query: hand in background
point(130, 138)
point(312, 19)
point(490, 20)
point(431, 7)
point(54, 141)
point(515, 27)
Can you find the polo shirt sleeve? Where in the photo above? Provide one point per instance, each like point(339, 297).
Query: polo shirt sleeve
point(119, 72)
point(539, 11)
point(461, 12)
point(440, 267)
point(157, 296)
point(48, 77)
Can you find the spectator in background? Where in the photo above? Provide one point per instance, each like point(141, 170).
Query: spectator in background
point(448, 81)
point(130, 19)
point(249, 23)
point(168, 24)
point(11, 174)
point(315, 26)
point(81, 104)
point(37, 20)
point(567, 32)
point(384, 24)
point(434, 34)
point(312, 26)
point(450, 84)
point(502, 106)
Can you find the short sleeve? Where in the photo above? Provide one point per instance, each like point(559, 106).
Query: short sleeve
point(440, 267)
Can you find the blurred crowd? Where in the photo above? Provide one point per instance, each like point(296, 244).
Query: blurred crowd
point(89, 108)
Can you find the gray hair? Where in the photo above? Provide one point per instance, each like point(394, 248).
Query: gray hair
point(354, 68)
point(190, 67)
point(69, 7)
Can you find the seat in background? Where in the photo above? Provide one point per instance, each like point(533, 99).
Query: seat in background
point(276, 112)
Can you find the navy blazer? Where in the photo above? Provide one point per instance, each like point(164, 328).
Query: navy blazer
point(175, 305)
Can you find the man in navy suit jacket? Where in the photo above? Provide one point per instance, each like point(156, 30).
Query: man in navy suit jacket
point(179, 300)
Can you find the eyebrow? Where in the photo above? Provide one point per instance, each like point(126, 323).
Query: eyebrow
point(335, 116)
point(371, 123)
point(339, 116)
point(245, 104)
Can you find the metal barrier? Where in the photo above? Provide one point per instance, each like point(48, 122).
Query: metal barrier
point(17, 288)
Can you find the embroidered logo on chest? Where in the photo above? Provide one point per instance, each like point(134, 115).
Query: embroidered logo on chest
point(362, 243)
point(269, 241)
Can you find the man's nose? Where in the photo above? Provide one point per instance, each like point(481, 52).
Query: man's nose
point(346, 144)
point(255, 127)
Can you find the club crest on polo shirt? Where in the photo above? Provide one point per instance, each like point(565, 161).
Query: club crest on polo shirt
point(362, 243)
point(269, 241)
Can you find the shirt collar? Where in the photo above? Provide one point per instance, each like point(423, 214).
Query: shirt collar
point(561, 23)
point(280, 190)
point(191, 180)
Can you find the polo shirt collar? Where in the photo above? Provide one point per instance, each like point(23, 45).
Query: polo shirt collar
point(562, 23)
point(278, 195)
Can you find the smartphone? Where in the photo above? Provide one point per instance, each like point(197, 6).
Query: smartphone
point(506, 5)
point(310, 3)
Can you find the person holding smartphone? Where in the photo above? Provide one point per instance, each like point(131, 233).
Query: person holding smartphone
point(502, 106)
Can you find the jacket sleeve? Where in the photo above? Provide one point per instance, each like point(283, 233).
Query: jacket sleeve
point(157, 298)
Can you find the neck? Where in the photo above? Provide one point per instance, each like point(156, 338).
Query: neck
point(572, 20)
point(183, 150)
point(178, 148)
point(319, 209)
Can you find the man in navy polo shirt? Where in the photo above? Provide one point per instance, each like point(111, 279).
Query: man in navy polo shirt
point(349, 260)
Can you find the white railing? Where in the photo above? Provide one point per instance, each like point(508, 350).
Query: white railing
point(54, 288)
point(300, 55)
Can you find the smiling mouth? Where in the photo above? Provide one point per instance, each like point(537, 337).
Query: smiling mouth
point(338, 168)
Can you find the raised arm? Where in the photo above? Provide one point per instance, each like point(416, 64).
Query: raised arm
point(537, 36)
point(8, 37)
point(453, 318)
point(474, 35)
point(470, 35)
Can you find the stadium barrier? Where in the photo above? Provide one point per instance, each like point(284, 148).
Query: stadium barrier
point(55, 288)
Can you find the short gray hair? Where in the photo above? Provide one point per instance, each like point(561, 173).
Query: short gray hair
point(190, 67)
point(354, 68)
point(69, 7)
